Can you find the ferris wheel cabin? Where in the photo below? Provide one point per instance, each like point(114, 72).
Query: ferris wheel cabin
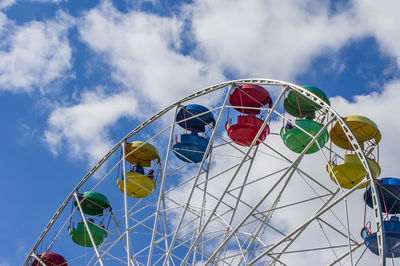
point(81, 236)
point(50, 259)
point(392, 239)
point(352, 171)
point(391, 230)
point(93, 204)
point(296, 136)
point(389, 194)
point(299, 106)
point(140, 179)
point(247, 99)
point(194, 117)
point(363, 129)
point(138, 185)
point(139, 151)
point(193, 145)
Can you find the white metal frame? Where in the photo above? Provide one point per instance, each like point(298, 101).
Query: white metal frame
point(172, 240)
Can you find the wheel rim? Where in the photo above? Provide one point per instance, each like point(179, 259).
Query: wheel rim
point(198, 225)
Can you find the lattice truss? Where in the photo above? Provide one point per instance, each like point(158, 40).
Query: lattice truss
point(259, 204)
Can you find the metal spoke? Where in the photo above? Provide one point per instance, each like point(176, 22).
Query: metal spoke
point(204, 212)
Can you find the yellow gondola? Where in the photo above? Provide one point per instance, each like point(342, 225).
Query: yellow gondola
point(140, 181)
point(363, 129)
point(352, 171)
point(138, 185)
point(141, 152)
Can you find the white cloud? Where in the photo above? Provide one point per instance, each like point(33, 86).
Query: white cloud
point(82, 129)
point(265, 38)
point(382, 109)
point(269, 38)
point(381, 19)
point(22, 248)
point(3, 19)
point(35, 54)
point(144, 51)
point(6, 3)
point(4, 262)
point(50, 1)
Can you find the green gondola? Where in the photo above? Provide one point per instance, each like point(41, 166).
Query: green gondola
point(81, 237)
point(299, 106)
point(296, 140)
point(93, 203)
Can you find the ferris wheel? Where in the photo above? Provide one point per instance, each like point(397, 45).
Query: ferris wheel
point(245, 172)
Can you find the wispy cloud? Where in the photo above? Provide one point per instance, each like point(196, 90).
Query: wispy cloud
point(383, 26)
point(266, 38)
point(34, 55)
point(82, 129)
point(144, 52)
point(6, 3)
point(381, 108)
point(4, 262)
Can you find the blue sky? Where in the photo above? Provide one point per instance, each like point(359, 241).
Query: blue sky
point(76, 76)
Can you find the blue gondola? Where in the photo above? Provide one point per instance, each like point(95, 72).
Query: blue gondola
point(389, 193)
point(198, 123)
point(192, 146)
point(392, 238)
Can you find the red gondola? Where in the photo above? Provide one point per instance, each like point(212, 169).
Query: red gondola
point(50, 259)
point(247, 99)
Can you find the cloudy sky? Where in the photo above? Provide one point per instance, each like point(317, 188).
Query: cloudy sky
point(76, 76)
